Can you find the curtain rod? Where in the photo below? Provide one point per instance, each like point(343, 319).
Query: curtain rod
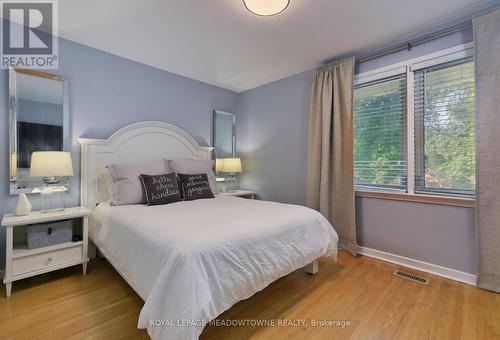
point(409, 44)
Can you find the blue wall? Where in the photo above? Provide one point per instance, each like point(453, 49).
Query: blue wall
point(38, 112)
point(108, 92)
point(272, 140)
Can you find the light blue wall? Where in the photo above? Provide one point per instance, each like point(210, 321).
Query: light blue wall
point(271, 132)
point(108, 92)
point(38, 112)
point(272, 139)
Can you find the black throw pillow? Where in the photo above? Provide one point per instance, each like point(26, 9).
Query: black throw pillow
point(161, 189)
point(195, 187)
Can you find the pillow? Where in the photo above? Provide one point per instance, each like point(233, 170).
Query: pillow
point(194, 167)
point(195, 186)
point(107, 181)
point(161, 189)
point(126, 187)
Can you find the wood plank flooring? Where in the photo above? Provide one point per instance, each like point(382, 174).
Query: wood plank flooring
point(360, 292)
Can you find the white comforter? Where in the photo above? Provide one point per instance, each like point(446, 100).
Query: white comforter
point(191, 261)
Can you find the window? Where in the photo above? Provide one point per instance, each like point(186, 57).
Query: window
point(414, 126)
point(444, 129)
point(380, 134)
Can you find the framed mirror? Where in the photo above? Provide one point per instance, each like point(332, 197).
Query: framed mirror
point(38, 121)
point(224, 134)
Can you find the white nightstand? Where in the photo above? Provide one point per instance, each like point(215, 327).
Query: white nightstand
point(240, 193)
point(22, 262)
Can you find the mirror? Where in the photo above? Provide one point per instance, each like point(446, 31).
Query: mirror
point(224, 134)
point(39, 121)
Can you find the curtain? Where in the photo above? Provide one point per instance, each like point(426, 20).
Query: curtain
point(487, 78)
point(330, 173)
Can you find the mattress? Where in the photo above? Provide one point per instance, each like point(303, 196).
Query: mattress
point(191, 261)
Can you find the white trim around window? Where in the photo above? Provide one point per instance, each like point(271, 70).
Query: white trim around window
point(431, 59)
point(409, 67)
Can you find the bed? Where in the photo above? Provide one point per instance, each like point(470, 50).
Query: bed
point(191, 261)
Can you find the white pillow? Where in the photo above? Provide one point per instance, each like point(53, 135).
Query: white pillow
point(126, 187)
point(193, 167)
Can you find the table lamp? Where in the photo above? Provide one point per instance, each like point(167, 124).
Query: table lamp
point(13, 167)
point(49, 165)
point(218, 164)
point(231, 166)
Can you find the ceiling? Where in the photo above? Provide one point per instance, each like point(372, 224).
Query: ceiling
point(219, 42)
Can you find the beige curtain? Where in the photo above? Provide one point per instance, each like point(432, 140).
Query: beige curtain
point(487, 75)
point(330, 186)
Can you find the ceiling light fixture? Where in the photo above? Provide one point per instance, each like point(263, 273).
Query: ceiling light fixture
point(266, 8)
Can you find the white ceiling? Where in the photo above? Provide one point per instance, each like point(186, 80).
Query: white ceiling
point(221, 43)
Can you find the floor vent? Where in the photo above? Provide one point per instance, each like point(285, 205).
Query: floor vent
point(412, 277)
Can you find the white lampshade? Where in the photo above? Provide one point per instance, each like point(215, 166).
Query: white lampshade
point(231, 165)
point(51, 163)
point(218, 164)
point(266, 7)
point(13, 165)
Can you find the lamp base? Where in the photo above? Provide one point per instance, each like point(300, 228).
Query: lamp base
point(51, 180)
point(52, 199)
point(231, 183)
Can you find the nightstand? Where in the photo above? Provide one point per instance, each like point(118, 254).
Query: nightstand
point(240, 193)
point(22, 262)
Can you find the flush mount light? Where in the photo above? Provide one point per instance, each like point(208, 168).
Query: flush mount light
point(266, 7)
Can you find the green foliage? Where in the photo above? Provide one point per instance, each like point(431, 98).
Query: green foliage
point(448, 130)
point(378, 132)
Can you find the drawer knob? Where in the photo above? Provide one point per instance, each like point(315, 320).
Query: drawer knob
point(48, 261)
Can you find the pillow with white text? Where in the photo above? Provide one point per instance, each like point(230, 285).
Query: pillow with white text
point(161, 189)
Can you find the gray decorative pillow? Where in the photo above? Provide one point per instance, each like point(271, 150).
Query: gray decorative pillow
point(195, 187)
point(161, 189)
point(193, 167)
point(126, 187)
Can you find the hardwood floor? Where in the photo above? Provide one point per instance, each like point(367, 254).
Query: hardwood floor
point(361, 291)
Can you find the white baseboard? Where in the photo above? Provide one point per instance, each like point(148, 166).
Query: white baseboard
point(430, 268)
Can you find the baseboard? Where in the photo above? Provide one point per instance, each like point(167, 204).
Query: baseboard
point(430, 268)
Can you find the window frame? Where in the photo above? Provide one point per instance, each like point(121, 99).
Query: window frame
point(420, 140)
point(409, 67)
point(404, 140)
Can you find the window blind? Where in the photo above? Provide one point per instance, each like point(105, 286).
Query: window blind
point(444, 128)
point(380, 134)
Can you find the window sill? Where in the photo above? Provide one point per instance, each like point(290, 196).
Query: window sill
point(419, 198)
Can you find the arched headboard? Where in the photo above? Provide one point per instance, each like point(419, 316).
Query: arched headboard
point(139, 142)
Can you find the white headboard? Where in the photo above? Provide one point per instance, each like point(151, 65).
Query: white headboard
point(139, 142)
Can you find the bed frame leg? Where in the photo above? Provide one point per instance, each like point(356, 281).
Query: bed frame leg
point(312, 268)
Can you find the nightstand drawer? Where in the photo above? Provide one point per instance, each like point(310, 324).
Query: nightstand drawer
point(46, 260)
